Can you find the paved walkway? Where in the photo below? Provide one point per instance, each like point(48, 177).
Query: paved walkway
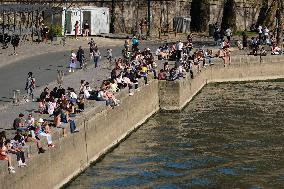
point(29, 49)
point(93, 76)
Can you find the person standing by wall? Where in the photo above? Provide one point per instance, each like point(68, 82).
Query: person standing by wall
point(15, 42)
point(86, 28)
point(228, 34)
point(76, 29)
point(45, 33)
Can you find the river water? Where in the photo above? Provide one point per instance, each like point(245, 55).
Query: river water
point(229, 136)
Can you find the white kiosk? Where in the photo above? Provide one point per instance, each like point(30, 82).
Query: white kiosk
point(97, 18)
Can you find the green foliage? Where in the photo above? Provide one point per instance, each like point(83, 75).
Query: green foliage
point(229, 15)
point(200, 15)
point(56, 31)
point(248, 33)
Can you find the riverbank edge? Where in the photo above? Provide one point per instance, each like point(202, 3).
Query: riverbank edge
point(101, 130)
point(175, 95)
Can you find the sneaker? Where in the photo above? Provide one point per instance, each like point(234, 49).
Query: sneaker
point(131, 94)
point(23, 165)
point(27, 100)
point(11, 169)
point(41, 151)
point(147, 84)
point(51, 145)
point(76, 131)
point(73, 71)
point(138, 89)
point(69, 71)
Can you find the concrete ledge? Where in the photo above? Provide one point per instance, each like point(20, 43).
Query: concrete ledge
point(174, 95)
point(101, 129)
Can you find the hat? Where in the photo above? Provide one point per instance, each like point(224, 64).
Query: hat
point(40, 120)
point(21, 115)
point(148, 49)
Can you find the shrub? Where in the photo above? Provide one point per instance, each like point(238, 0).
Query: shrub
point(56, 30)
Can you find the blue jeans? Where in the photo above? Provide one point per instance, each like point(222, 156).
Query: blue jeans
point(209, 59)
point(72, 126)
point(96, 60)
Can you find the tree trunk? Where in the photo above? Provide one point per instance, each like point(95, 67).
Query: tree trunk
point(229, 16)
point(279, 17)
point(200, 15)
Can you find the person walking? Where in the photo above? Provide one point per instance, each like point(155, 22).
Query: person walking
point(80, 56)
point(92, 46)
point(109, 57)
point(15, 42)
point(97, 56)
point(30, 86)
point(73, 60)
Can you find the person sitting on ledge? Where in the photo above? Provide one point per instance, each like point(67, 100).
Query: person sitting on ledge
point(162, 75)
point(276, 50)
point(40, 131)
point(4, 156)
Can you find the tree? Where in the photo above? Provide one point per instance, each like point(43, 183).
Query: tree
point(279, 17)
point(200, 15)
point(229, 15)
point(267, 13)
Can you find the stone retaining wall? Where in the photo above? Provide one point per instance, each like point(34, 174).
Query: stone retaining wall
point(101, 129)
point(176, 94)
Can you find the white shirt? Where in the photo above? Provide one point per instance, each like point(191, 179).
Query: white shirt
point(73, 56)
point(228, 32)
point(86, 94)
point(266, 31)
point(30, 121)
point(179, 46)
point(73, 95)
point(50, 107)
point(259, 29)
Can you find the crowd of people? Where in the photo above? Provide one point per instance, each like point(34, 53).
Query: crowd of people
point(61, 105)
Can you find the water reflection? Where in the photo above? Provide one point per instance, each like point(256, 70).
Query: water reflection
point(230, 136)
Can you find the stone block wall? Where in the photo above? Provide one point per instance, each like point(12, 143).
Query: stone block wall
point(129, 13)
point(100, 130)
point(175, 95)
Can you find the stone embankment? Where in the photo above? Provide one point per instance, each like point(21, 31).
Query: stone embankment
point(101, 129)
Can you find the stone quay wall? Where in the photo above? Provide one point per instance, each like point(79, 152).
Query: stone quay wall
point(176, 94)
point(101, 129)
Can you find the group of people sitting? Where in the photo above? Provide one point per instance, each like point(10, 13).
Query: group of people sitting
point(258, 48)
point(61, 105)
